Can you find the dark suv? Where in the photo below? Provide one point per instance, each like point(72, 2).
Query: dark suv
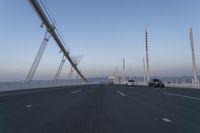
point(156, 83)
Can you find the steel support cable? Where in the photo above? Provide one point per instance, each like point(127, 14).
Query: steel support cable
point(56, 76)
point(40, 56)
point(60, 68)
point(47, 10)
point(77, 61)
point(59, 71)
point(71, 72)
point(49, 13)
point(34, 62)
point(61, 36)
point(36, 58)
point(77, 75)
point(38, 61)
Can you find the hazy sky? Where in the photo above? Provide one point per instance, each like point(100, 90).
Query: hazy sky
point(103, 31)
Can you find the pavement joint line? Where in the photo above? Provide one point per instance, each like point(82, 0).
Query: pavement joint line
point(179, 95)
point(119, 92)
point(76, 91)
point(167, 120)
point(28, 106)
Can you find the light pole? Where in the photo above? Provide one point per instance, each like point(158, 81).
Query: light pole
point(194, 80)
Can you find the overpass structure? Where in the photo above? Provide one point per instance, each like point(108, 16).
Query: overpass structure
point(51, 31)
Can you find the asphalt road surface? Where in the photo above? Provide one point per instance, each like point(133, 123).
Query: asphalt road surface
point(100, 109)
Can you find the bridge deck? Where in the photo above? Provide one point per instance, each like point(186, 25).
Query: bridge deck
point(100, 109)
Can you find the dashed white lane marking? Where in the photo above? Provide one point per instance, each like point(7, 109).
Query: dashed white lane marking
point(76, 91)
point(28, 106)
point(121, 93)
point(167, 120)
point(179, 95)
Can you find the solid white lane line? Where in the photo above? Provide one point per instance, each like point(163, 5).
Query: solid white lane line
point(121, 93)
point(28, 106)
point(167, 120)
point(179, 95)
point(76, 91)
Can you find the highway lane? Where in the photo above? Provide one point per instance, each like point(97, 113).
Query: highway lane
point(100, 109)
point(183, 112)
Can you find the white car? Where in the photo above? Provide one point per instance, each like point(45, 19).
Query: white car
point(131, 82)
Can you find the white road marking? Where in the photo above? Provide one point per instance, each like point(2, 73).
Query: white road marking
point(28, 106)
point(167, 120)
point(179, 95)
point(121, 93)
point(76, 91)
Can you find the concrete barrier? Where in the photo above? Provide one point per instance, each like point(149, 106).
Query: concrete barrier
point(8, 86)
point(172, 85)
point(186, 85)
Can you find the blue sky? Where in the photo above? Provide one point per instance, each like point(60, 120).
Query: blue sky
point(103, 31)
